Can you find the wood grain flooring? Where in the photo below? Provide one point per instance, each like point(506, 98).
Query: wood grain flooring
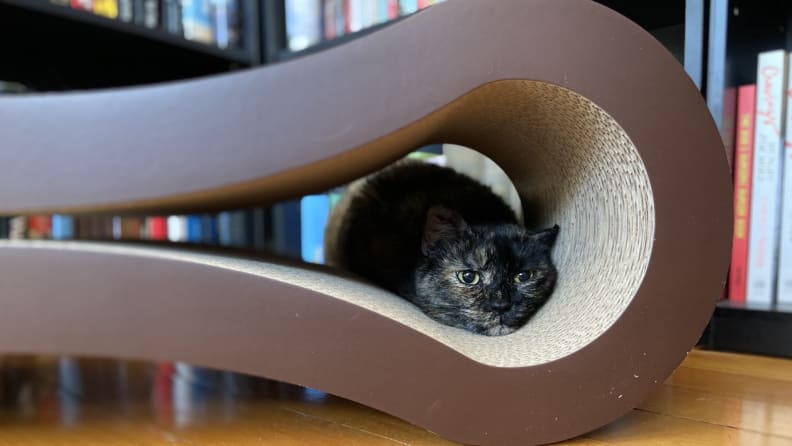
point(711, 399)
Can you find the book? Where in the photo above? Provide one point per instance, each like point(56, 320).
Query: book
point(209, 229)
point(743, 157)
point(195, 228)
point(146, 13)
point(383, 10)
point(4, 227)
point(355, 15)
point(407, 6)
point(314, 210)
point(196, 20)
point(393, 9)
point(83, 5)
point(172, 16)
point(39, 227)
point(156, 228)
point(784, 281)
point(106, 8)
point(234, 18)
point(17, 228)
point(62, 227)
point(303, 23)
point(219, 14)
point(177, 228)
point(767, 174)
point(125, 10)
point(329, 19)
point(727, 130)
point(286, 228)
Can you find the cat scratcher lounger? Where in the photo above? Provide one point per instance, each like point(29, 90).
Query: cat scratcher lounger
point(597, 125)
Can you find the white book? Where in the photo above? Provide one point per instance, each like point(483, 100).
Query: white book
point(177, 228)
point(355, 15)
point(784, 285)
point(771, 79)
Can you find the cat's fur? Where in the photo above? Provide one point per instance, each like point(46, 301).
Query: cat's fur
point(413, 228)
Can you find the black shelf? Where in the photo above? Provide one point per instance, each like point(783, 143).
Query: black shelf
point(764, 329)
point(51, 47)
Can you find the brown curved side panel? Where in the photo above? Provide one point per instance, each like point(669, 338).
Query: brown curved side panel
point(586, 112)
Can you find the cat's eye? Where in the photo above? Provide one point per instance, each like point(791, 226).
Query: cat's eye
point(524, 276)
point(468, 277)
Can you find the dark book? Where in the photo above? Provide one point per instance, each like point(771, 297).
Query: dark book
point(146, 13)
point(4, 227)
point(172, 16)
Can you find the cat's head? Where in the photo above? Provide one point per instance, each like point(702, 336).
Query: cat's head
point(488, 279)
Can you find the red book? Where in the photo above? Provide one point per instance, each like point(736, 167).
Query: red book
point(423, 4)
point(85, 5)
point(347, 17)
point(743, 168)
point(393, 9)
point(39, 226)
point(157, 228)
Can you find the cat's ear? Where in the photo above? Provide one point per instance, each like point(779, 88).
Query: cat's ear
point(441, 224)
point(547, 236)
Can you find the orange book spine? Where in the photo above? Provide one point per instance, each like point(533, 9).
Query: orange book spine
point(743, 168)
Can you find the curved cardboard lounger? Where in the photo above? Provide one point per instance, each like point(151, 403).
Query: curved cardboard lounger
point(597, 125)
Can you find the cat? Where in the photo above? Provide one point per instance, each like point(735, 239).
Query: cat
point(444, 242)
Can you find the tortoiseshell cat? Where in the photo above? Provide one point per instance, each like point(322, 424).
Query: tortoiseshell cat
point(446, 243)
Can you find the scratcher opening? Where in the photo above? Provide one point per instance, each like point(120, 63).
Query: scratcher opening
point(572, 165)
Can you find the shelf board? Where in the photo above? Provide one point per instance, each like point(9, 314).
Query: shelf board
point(53, 48)
point(237, 55)
point(764, 329)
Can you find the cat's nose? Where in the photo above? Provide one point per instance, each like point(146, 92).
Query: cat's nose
point(500, 304)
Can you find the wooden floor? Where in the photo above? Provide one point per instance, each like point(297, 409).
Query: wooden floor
point(712, 399)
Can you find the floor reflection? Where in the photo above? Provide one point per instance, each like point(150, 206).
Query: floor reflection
point(61, 389)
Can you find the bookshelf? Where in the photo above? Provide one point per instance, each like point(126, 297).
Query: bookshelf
point(74, 49)
point(739, 30)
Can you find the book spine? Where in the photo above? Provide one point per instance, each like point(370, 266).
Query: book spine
point(220, 23)
point(196, 20)
point(106, 8)
point(151, 14)
point(728, 123)
point(784, 283)
point(4, 227)
point(767, 174)
point(314, 210)
point(408, 6)
point(177, 228)
point(62, 227)
point(125, 10)
point(39, 227)
point(157, 228)
point(195, 229)
point(329, 19)
point(303, 23)
point(83, 5)
point(355, 15)
point(172, 16)
point(347, 16)
point(393, 9)
point(340, 17)
point(286, 228)
point(383, 8)
point(235, 31)
point(746, 116)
